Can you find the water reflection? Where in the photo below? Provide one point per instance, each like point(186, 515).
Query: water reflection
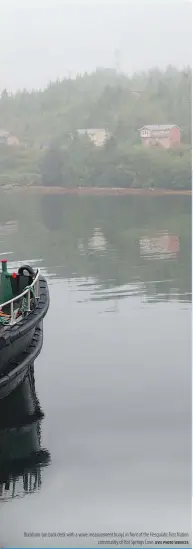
point(8, 227)
point(118, 396)
point(22, 457)
point(161, 246)
point(110, 240)
point(113, 239)
point(98, 242)
point(51, 204)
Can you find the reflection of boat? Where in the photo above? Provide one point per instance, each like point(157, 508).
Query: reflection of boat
point(21, 455)
point(24, 301)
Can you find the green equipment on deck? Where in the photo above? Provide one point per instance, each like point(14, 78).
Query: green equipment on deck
point(5, 283)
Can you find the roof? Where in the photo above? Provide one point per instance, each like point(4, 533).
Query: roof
point(159, 126)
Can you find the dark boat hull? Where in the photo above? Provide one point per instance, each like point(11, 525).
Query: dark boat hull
point(10, 381)
point(15, 339)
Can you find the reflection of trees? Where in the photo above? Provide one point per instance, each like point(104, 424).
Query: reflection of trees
point(60, 229)
point(52, 212)
point(21, 455)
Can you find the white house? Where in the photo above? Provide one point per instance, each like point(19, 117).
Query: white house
point(98, 136)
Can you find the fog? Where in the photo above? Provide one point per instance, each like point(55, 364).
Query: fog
point(48, 39)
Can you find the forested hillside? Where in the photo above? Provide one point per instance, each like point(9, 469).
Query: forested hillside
point(44, 120)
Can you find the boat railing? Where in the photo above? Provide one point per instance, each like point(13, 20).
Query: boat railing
point(34, 286)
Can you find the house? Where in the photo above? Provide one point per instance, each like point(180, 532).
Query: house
point(98, 136)
point(7, 138)
point(164, 135)
point(12, 140)
point(136, 93)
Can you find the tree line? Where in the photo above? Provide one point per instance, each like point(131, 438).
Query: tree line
point(45, 121)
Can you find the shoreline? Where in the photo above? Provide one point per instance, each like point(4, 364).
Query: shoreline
point(95, 191)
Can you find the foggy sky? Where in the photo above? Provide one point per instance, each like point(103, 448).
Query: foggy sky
point(41, 40)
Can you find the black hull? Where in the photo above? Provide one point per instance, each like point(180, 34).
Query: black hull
point(15, 339)
point(9, 382)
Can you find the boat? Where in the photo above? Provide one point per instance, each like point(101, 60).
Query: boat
point(24, 302)
point(22, 458)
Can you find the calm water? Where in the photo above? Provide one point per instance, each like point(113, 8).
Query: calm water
point(114, 376)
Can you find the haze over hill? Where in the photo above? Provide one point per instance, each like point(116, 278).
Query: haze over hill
point(49, 39)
